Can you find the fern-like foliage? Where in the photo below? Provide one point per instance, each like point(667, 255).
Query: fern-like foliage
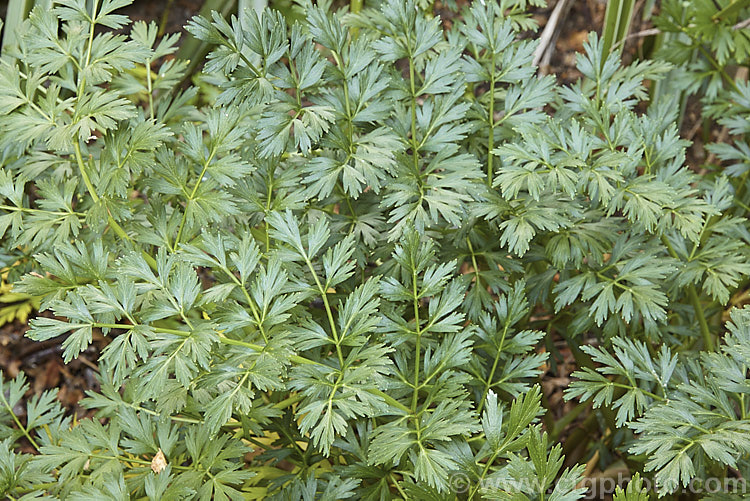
point(332, 269)
point(690, 415)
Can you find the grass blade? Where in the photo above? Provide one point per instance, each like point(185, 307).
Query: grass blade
point(16, 13)
point(616, 23)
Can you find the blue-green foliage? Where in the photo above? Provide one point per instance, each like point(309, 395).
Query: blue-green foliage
point(329, 273)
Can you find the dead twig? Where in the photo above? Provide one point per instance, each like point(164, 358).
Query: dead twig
point(656, 31)
point(544, 50)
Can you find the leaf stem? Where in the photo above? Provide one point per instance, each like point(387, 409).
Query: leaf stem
point(222, 339)
point(191, 197)
point(150, 412)
point(414, 145)
point(92, 19)
point(250, 302)
point(710, 58)
point(41, 211)
point(398, 487)
point(491, 142)
point(488, 383)
point(110, 220)
point(84, 174)
point(329, 312)
point(634, 387)
point(474, 263)
point(21, 427)
point(150, 89)
point(418, 347)
point(298, 397)
point(708, 339)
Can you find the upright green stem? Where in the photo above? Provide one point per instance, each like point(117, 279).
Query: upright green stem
point(711, 59)
point(477, 276)
point(485, 470)
point(21, 427)
point(414, 145)
point(150, 89)
point(329, 311)
point(355, 6)
point(256, 314)
point(488, 383)
point(164, 17)
point(191, 197)
point(269, 196)
point(743, 407)
point(708, 339)
point(398, 487)
point(350, 128)
point(110, 220)
point(418, 348)
point(91, 32)
point(84, 174)
point(491, 142)
point(76, 144)
point(89, 46)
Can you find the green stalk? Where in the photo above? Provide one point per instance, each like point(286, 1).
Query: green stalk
point(235, 342)
point(298, 397)
point(77, 146)
point(35, 487)
point(329, 312)
point(616, 24)
point(418, 347)
point(41, 211)
point(110, 220)
point(150, 90)
point(222, 339)
point(355, 6)
point(398, 487)
point(491, 142)
point(732, 9)
point(84, 174)
point(568, 418)
point(250, 302)
point(414, 145)
point(21, 427)
point(708, 340)
point(17, 11)
point(192, 197)
point(178, 419)
point(164, 17)
point(488, 383)
point(717, 66)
